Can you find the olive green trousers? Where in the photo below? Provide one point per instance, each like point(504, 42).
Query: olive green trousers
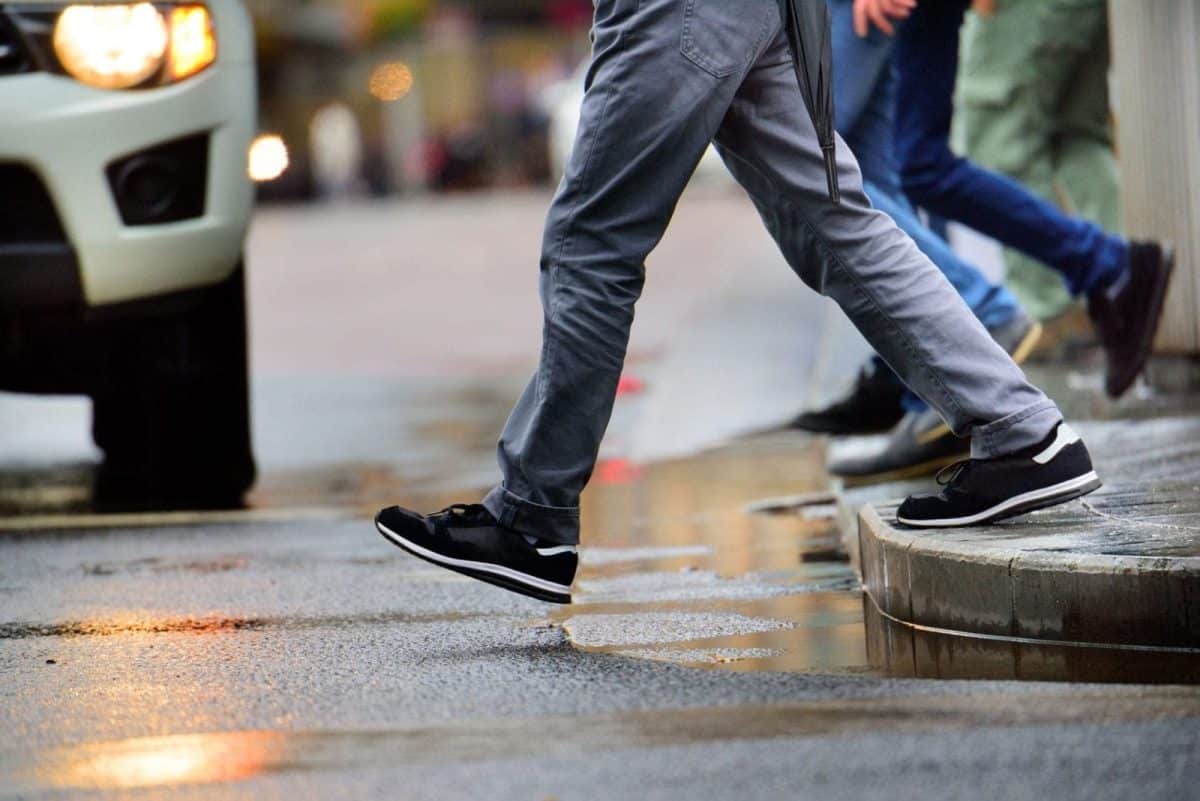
point(1032, 103)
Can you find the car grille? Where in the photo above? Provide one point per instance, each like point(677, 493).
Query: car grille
point(13, 58)
point(27, 214)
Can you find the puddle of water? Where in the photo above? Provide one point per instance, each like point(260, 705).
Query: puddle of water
point(709, 581)
point(820, 632)
point(644, 628)
point(699, 656)
point(593, 556)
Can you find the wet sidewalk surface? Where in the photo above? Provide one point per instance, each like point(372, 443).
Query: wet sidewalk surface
point(1107, 587)
point(1149, 504)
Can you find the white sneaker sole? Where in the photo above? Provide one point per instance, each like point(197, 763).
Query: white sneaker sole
point(499, 575)
point(1017, 505)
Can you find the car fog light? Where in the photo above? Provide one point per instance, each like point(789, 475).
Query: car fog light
point(111, 46)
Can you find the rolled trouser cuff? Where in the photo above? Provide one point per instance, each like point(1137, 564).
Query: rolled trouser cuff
point(1022, 429)
point(552, 523)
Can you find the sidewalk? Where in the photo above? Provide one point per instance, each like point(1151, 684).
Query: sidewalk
point(1107, 588)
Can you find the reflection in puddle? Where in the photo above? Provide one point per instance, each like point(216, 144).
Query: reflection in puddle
point(684, 569)
point(803, 632)
point(594, 556)
point(163, 761)
point(641, 628)
point(699, 656)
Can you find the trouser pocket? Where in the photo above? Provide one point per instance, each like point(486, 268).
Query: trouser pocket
point(722, 37)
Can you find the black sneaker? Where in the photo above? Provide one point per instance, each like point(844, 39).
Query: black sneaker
point(920, 446)
point(468, 540)
point(1127, 313)
point(873, 405)
point(980, 491)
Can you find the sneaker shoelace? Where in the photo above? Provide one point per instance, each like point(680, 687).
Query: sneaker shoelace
point(951, 474)
point(459, 513)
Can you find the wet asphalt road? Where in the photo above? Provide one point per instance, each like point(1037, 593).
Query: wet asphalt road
point(308, 658)
point(713, 652)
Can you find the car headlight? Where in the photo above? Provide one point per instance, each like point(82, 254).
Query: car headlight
point(134, 44)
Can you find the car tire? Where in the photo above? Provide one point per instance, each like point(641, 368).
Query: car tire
point(172, 415)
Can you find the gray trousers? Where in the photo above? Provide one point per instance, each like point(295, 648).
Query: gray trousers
point(667, 78)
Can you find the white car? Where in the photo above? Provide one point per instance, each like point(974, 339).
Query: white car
point(124, 206)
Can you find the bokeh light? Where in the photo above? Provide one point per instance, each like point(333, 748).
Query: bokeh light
point(268, 158)
point(391, 81)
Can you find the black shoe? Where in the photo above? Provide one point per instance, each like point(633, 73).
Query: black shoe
point(1127, 313)
point(468, 540)
point(920, 446)
point(873, 405)
point(979, 491)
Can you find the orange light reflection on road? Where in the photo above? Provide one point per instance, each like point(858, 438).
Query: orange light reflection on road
point(165, 761)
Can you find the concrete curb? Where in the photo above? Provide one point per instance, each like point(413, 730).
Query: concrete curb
point(963, 582)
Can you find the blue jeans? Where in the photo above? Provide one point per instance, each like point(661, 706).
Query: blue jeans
point(864, 95)
point(945, 184)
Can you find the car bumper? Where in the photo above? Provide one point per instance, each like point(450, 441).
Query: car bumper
point(69, 134)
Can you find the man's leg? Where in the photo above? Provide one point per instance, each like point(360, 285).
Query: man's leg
point(927, 61)
point(878, 397)
point(662, 76)
point(864, 98)
point(1024, 456)
point(664, 72)
point(863, 94)
point(920, 443)
point(855, 254)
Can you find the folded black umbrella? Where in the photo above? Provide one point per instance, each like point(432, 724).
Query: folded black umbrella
point(808, 32)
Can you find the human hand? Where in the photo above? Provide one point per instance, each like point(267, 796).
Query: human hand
point(880, 13)
point(984, 8)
